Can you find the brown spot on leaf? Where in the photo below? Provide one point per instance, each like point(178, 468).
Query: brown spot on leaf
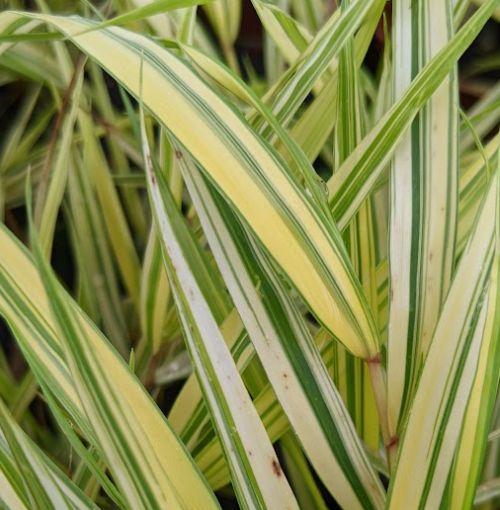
point(178, 154)
point(276, 468)
point(393, 442)
point(374, 360)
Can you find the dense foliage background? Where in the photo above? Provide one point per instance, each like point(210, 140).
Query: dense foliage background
point(311, 183)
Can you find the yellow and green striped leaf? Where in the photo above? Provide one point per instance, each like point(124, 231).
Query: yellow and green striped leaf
point(424, 181)
point(255, 471)
point(30, 478)
point(464, 330)
point(330, 287)
point(24, 304)
point(288, 354)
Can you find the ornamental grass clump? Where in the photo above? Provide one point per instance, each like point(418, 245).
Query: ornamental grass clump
point(249, 275)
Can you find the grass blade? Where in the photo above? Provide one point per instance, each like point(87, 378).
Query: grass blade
point(424, 190)
point(330, 288)
point(47, 486)
point(37, 333)
point(288, 355)
point(256, 474)
point(357, 176)
point(150, 9)
point(438, 409)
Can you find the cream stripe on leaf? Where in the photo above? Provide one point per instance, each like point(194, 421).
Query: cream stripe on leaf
point(256, 475)
point(474, 434)
point(188, 416)
point(45, 485)
point(473, 184)
point(24, 304)
point(308, 130)
point(291, 38)
point(155, 287)
point(91, 469)
point(487, 493)
point(484, 116)
point(249, 306)
point(12, 493)
point(438, 410)
point(288, 354)
point(313, 127)
point(358, 175)
point(155, 290)
point(162, 24)
point(359, 239)
point(113, 214)
point(285, 97)
point(423, 201)
point(297, 161)
point(471, 449)
point(226, 17)
point(302, 240)
point(208, 454)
